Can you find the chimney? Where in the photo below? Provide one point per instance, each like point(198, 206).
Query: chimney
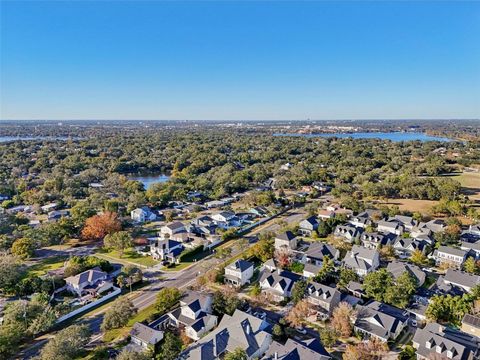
point(247, 329)
point(275, 355)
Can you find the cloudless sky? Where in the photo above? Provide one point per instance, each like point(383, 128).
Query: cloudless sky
point(239, 60)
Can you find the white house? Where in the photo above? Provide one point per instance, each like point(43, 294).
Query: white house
point(239, 273)
point(362, 260)
point(390, 227)
point(166, 250)
point(144, 336)
point(449, 255)
point(170, 229)
point(286, 240)
point(142, 214)
point(93, 281)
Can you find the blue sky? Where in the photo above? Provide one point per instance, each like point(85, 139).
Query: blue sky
point(239, 60)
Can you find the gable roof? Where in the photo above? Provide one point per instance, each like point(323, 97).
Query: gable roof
point(146, 333)
point(450, 250)
point(89, 276)
point(319, 250)
point(462, 345)
point(461, 278)
point(323, 292)
point(239, 330)
point(379, 319)
point(240, 265)
point(397, 268)
point(287, 236)
point(311, 349)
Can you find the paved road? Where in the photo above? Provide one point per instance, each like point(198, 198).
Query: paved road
point(180, 280)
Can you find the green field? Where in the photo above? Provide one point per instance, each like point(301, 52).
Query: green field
point(45, 265)
point(128, 258)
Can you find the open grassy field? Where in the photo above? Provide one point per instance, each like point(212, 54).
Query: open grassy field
point(470, 182)
point(142, 315)
point(422, 206)
point(45, 265)
point(128, 258)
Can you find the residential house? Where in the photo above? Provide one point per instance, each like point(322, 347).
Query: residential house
point(472, 248)
point(407, 221)
point(55, 215)
point(374, 240)
point(173, 228)
point(239, 273)
point(324, 298)
point(474, 229)
point(356, 289)
point(277, 284)
point(456, 282)
point(145, 337)
point(405, 247)
point(311, 349)
point(361, 220)
point(347, 232)
point(49, 207)
point(379, 320)
point(362, 260)
point(450, 255)
point(438, 341)
point(310, 270)
point(225, 219)
point(326, 214)
point(194, 314)
point(166, 250)
point(93, 281)
point(240, 330)
point(471, 325)
point(308, 226)
point(398, 268)
point(259, 211)
point(143, 214)
point(390, 227)
point(317, 251)
point(428, 228)
point(286, 240)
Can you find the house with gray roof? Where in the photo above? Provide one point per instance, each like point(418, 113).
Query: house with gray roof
point(170, 229)
point(310, 270)
point(317, 251)
point(362, 260)
point(286, 240)
point(407, 221)
point(166, 250)
point(374, 240)
point(379, 320)
point(92, 281)
point(239, 273)
point(428, 228)
point(311, 349)
point(142, 214)
point(390, 227)
point(471, 324)
point(240, 330)
point(405, 247)
point(471, 247)
point(348, 233)
point(144, 336)
point(194, 313)
point(277, 284)
point(438, 341)
point(398, 268)
point(450, 255)
point(324, 298)
point(307, 226)
point(456, 282)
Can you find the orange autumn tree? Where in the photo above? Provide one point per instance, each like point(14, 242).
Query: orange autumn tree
point(98, 226)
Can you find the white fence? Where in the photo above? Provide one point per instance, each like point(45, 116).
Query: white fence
point(114, 293)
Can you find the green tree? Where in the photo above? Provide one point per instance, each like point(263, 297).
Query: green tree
point(346, 275)
point(11, 271)
point(120, 241)
point(23, 248)
point(448, 308)
point(376, 284)
point(170, 348)
point(167, 298)
point(408, 353)
point(299, 291)
point(225, 303)
point(399, 294)
point(237, 354)
point(470, 265)
point(329, 336)
point(326, 271)
point(118, 314)
point(130, 275)
point(418, 258)
point(127, 354)
point(67, 343)
point(277, 331)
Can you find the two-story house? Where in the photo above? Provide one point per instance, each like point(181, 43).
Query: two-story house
point(317, 251)
point(348, 233)
point(286, 240)
point(362, 260)
point(166, 250)
point(143, 214)
point(277, 284)
point(449, 255)
point(91, 281)
point(324, 298)
point(308, 226)
point(390, 227)
point(239, 273)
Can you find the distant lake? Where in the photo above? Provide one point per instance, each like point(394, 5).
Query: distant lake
point(24, 138)
point(393, 136)
point(147, 180)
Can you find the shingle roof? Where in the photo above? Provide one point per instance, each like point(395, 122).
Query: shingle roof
point(287, 236)
point(451, 251)
point(297, 350)
point(241, 265)
point(461, 278)
point(319, 250)
point(90, 276)
point(397, 268)
point(146, 333)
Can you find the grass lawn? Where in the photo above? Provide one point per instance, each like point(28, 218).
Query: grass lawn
point(470, 182)
point(48, 264)
point(142, 315)
point(422, 206)
point(127, 258)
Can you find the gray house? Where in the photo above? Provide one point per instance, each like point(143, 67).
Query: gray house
point(308, 226)
point(397, 268)
point(324, 298)
point(311, 349)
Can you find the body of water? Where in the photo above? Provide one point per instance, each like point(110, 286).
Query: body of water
point(393, 136)
point(21, 138)
point(148, 180)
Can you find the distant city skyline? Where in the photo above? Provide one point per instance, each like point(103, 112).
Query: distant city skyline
point(233, 61)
